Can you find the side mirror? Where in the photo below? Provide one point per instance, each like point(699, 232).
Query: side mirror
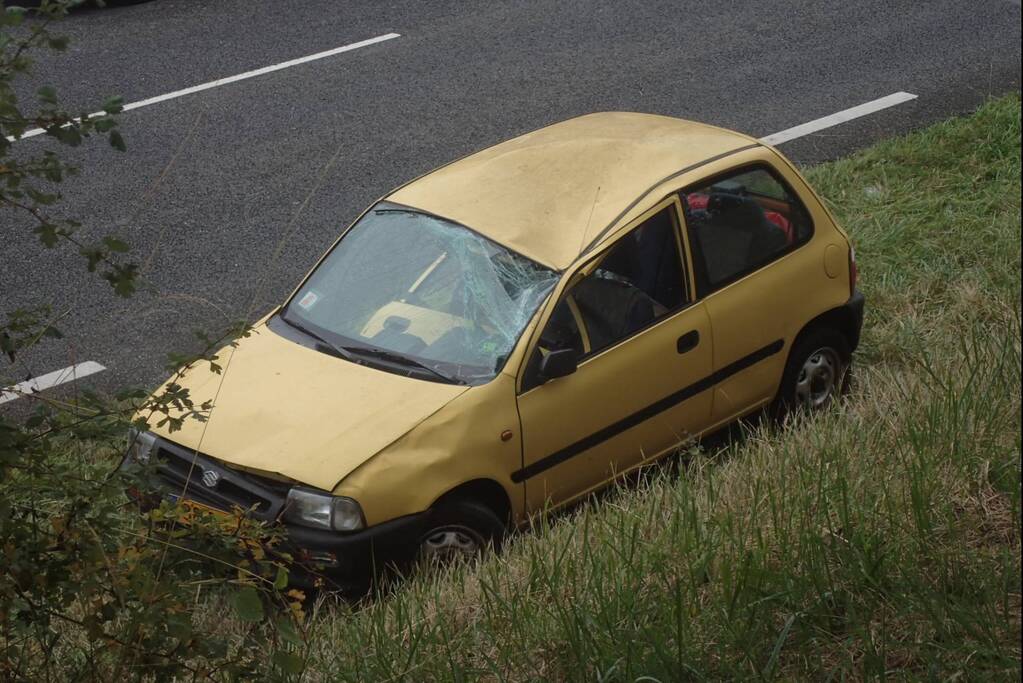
point(558, 364)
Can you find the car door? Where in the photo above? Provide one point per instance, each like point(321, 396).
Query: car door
point(643, 348)
point(744, 227)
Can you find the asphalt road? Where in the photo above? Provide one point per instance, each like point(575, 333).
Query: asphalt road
point(209, 192)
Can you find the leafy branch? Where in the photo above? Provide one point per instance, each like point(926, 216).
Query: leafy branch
point(28, 178)
point(90, 588)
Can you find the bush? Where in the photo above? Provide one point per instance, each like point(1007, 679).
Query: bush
point(91, 589)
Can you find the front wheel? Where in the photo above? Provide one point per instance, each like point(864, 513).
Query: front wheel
point(816, 375)
point(460, 529)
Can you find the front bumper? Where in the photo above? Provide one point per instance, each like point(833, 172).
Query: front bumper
point(341, 559)
point(334, 559)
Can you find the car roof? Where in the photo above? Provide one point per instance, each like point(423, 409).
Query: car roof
point(553, 193)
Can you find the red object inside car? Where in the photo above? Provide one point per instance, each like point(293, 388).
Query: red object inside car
point(698, 201)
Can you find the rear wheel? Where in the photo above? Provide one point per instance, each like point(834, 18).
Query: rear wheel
point(460, 530)
point(817, 373)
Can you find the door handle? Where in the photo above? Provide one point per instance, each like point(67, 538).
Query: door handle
point(688, 341)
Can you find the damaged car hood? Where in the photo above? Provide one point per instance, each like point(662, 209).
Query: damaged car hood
point(281, 408)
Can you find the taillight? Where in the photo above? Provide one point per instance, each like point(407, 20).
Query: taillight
point(853, 273)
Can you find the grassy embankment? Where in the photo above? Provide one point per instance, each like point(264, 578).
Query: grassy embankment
point(881, 539)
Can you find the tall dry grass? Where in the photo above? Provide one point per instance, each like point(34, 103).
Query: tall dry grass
point(880, 540)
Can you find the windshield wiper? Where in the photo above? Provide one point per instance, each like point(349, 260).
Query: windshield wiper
point(384, 354)
point(341, 351)
point(349, 353)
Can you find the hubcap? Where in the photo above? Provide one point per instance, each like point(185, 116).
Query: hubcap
point(449, 543)
point(820, 378)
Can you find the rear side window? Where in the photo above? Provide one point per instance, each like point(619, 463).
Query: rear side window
point(741, 221)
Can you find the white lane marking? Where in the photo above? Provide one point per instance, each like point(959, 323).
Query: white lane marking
point(234, 79)
point(837, 118)
point(51, 379)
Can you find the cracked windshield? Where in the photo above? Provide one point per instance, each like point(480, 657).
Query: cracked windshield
point(441, 300)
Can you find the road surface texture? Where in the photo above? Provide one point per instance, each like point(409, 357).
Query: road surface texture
point(209, 193)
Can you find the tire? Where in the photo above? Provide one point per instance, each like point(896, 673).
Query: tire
point(460, 529)
point(817, 373)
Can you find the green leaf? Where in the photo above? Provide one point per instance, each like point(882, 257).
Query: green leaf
point(41, 198)
point(288, 632)
point(281, 582)
point(127, 394)
point(93, 257)
point(121, 277)
point(35, 421)
point(117, 142)
point(47, 234)
point(247, 604)
point(288, 662)
point(47, 94)
point(58, 43)
point(12, 17)
point(179, 626)
point(115, 245)
point(69, 135)
point(113, 105)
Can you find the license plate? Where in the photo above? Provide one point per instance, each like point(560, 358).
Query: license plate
point(200, 507)
point(194, 506)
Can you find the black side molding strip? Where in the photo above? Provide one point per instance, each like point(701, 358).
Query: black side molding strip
point(612, 430)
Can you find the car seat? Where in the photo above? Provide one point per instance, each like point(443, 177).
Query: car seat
point(734, 234)
point(613, 309)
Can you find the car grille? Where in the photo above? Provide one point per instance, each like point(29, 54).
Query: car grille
point(183, 473)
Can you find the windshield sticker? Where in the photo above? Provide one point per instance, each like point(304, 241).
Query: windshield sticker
point(309, 300)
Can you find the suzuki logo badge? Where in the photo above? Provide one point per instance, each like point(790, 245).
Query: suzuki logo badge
point(210, 478)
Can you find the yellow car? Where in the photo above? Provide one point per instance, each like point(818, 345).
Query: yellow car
point(517, 329)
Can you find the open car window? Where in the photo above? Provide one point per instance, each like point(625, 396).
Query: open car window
point(634, 284)
point(423, 288)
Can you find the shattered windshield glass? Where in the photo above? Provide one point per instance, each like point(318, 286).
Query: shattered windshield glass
point(451, 302)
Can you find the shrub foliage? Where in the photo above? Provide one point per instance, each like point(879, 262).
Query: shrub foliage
point(92, 588)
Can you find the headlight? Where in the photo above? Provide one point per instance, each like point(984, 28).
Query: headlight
point(322, 510)
point(140, 447)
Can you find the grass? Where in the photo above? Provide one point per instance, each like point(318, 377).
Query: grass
point(881, 540)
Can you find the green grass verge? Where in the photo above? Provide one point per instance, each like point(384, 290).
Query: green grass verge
point(880, 540)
